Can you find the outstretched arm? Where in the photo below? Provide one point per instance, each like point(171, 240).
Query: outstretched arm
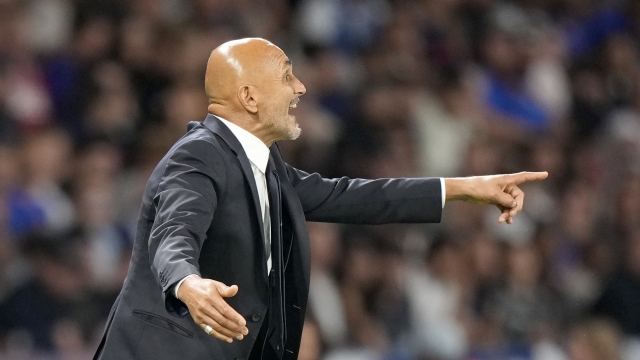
point(381, 201)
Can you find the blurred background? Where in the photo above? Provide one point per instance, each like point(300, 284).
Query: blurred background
point(94, 92)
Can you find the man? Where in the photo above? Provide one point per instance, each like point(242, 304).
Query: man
point(222, 207)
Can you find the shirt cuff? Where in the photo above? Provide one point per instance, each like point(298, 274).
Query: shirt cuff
point(444, 193)
point(175, 288)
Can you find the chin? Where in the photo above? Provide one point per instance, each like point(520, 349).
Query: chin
point(287, 129)
point(296, 132)
point(292, 131)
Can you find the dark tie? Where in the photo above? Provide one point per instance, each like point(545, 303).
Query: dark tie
point(276, 277)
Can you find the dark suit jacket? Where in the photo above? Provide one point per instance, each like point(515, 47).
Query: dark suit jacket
point(200, 215)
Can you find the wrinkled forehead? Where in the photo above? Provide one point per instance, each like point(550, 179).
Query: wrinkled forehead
point(274, 60)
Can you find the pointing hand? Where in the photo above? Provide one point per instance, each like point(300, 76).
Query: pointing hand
point(499, 190)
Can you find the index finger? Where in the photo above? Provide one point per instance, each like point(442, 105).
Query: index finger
point(525, 176)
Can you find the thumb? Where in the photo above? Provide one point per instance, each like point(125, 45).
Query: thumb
point(227, 291)
point(505, 200)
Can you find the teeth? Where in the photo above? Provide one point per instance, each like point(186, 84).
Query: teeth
point(293, 106)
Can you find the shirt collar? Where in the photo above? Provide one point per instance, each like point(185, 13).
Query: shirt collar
point(256, 150)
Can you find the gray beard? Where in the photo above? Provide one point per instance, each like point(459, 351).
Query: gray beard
point(286, 133)
point(296, 134)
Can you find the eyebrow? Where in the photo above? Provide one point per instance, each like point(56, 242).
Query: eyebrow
point(288, 63)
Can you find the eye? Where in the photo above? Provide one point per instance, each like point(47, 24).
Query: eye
point(287, 77)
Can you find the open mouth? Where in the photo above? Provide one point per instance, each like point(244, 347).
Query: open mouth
point(294, 103)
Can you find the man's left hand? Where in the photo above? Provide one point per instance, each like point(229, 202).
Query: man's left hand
point(499, 190)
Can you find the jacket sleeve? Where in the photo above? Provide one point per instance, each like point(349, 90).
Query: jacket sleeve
point(360, 201)
point(185, 202)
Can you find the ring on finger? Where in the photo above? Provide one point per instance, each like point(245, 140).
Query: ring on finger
point(208, 329)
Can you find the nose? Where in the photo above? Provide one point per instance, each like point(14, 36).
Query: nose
point(299, 88)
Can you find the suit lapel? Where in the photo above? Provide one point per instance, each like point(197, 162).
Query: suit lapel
point(216, 126)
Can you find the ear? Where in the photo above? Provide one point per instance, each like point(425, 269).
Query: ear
point(247, 98)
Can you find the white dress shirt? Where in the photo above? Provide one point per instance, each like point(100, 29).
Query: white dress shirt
point(258, 154)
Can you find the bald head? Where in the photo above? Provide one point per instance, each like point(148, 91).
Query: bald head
point(236, 63)
point(250, 82)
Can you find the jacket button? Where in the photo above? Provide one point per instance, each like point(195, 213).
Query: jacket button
point(256, 317)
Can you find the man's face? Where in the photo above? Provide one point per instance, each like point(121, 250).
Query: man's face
point(281, 91)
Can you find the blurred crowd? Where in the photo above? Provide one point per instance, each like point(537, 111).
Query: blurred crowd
point(94, 92)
